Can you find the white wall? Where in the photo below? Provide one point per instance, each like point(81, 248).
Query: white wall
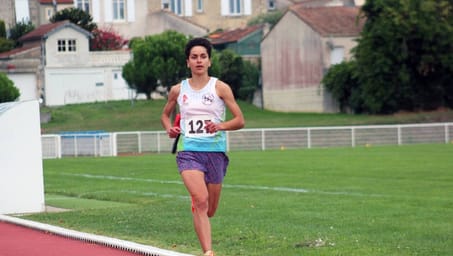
point(72, 86)
point(83, 85)
point(26, 83)
point(21, 171)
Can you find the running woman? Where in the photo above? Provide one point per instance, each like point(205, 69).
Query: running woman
point(201, 158)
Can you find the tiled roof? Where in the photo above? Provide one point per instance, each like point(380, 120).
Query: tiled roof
point(44, 30)
point(232, 35)
point(330, 21)
point(58, 1)
point(40, 31)
point(15, 51)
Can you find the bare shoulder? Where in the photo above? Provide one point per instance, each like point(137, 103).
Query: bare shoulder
point(219, 83)
point(174, 90)
point(222, 88)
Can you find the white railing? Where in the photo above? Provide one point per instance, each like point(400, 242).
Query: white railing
point(127, 143)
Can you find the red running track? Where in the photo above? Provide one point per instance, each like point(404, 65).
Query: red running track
point(17, 240)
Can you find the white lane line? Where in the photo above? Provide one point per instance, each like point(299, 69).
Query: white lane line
point(251, 187)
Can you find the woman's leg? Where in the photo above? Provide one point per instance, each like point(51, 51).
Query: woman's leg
point(195, 184)
point(213, 198)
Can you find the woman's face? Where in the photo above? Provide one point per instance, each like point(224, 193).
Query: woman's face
point(198, 60)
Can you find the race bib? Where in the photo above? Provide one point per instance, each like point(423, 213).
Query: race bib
point(195, 126)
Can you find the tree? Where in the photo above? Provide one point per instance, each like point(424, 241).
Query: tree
point(404, 58)
point(250, 81)
point(341, 80)
point(231, 70)
point(5, 44)
point(2, 29)
point(242, 76)
point(157, 60)
point(8, 92)
point(271, 18)
point(76, 16)
point(20, 29)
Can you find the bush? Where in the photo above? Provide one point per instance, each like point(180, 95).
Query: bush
point(20, 29)
point(106, 40)
point(250, 81)
point(2, 29)
point(6, 44)
point(341, 80)
point(8, 92)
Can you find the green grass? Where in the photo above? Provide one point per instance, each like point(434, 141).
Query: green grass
point(392, 200)
point(145, 116)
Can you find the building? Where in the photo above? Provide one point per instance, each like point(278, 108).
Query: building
point(137, 18)
point(243, 41)
point(56, 65)
point(297, 52)
point(6, 13)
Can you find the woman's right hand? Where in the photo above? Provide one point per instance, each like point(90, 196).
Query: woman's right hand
point(173, 132)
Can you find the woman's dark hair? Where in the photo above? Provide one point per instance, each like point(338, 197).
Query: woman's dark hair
point(198, 41)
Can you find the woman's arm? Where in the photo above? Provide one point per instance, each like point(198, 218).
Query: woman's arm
point(169, 107)
point(237, 122)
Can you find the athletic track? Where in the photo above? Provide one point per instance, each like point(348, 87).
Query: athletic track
point(19, 238)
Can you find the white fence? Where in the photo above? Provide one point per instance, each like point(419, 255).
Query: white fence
point(127, 143)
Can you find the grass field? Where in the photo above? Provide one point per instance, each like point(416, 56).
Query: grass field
point(394, 200)
point(142, 115)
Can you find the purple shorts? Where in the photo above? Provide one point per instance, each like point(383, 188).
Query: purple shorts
point(213, 164)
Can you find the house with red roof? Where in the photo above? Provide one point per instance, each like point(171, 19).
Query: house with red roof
point(244, 41)
point(56, 65)
point(299, 50)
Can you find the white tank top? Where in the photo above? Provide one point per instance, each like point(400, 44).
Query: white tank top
point(197, 107)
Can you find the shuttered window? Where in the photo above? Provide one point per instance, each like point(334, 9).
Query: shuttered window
point(118, 9)
point(83, 5)
point(235, 7)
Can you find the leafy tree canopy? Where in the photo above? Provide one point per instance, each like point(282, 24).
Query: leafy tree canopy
point(231, 66)
point(271, 18)
point(20, 29)
point(404, 55)
point(2, 29)
point(403, 59)
point(6, 44)
point(8, 92)
point(76, 16)
point(157, 60)
point(160, 60)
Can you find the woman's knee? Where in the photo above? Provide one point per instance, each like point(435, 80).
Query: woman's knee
point(200, 203)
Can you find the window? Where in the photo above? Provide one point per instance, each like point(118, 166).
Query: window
point(84, 5)
point(118, 9)
point(176, 6)
point(72, 45)
point(200, 6)
point(49, 13)
point(271, 4)
point(336, 55)
point(66, 45)
point(235, 6)
point(165, 4)
point(61, 45)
